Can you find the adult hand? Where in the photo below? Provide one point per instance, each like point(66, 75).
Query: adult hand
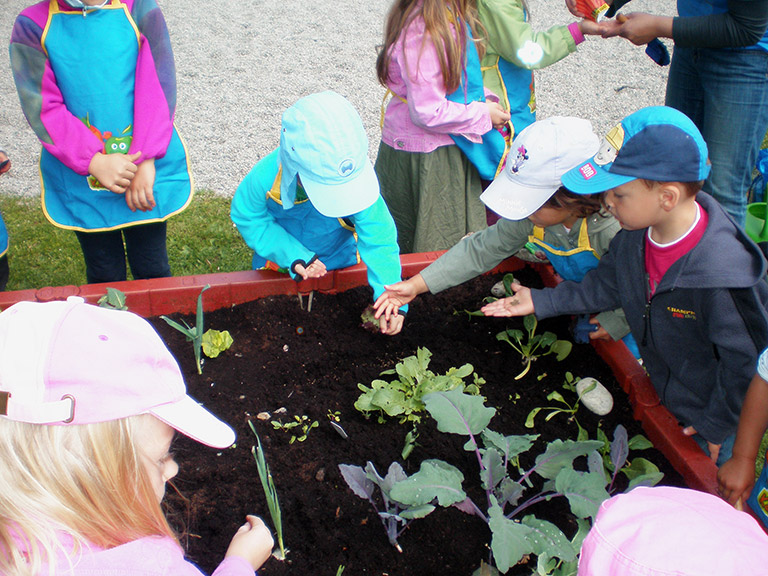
point(252, 541)
point(521, 304)
point(499, 116)
point(392, 325)
point(735, 479)
point(314, 270)
point(140, 194)
point(637, 27)
point(114, 171)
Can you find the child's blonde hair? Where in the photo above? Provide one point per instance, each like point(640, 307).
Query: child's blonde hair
point(438, 16)
point(87, 481)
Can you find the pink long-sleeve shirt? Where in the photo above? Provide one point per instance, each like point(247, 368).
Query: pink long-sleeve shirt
point(427, 118)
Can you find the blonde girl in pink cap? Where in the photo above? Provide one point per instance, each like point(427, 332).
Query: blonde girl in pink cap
point(90, 400)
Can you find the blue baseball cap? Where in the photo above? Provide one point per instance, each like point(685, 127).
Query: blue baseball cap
point(656, 143)
point(322, 140)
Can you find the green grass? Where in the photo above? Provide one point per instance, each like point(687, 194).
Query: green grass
point(201, 240)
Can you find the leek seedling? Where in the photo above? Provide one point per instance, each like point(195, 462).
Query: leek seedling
point(270, 492)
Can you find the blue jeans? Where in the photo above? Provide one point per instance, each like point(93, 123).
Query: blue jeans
point(726, 448)
point(105, 253)
point(725, 93)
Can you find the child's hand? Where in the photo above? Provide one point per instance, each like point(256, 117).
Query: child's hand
point(314, 270)
point(397, 295)
point(599, 334)
point(589, 28)
point(114, 171)
point(521, 304)
point(714, 449)
point(140, 195)
point(392, 325)
point(499, 116)
point(573, 9)
point(253, 542)
point(735, 479)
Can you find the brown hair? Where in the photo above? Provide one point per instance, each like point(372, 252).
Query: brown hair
point(690, 188)
point(438, 16)
point(577, 204)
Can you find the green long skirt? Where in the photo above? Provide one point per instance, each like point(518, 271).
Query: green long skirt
point(434, 197)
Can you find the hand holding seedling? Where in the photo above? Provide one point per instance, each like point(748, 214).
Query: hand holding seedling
point(252, 542)
point(521, 304)
point(314, 270)
point(391, 326)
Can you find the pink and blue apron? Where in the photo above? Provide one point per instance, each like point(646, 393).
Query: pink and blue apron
point(100, 91)
point(488, 155)
point(573, 264)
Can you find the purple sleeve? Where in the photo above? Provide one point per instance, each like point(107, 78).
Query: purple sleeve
point(59, 131)
point(155, 90)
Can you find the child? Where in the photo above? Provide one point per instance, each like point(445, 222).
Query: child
point(690, 282)
point(429, 61)
point(736, 478)
point(536, 211)
point(311, 204)
point(97, 84)
point(90, 401)
point(514, 50)
point(663, 530)
point(5, 165)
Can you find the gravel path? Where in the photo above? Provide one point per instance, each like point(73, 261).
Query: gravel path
point(240, 63)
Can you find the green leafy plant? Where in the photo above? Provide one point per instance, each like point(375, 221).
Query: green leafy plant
point(565, 407)
point(215, 342)
point(639, 471)
point(394, 516)
point(299, 428)
point(369, 320)
point(403, 398)
point(114, 299)
point(531, 345)
point(194, 335)
point(513, 534)
point(270, 492)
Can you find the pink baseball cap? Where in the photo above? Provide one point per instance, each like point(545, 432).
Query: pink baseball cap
point(70, 362)
point(664, 531)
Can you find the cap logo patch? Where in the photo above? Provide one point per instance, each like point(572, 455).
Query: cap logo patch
point(610, 146)
point(522, 156)
point(346, 167)
point(587, 171)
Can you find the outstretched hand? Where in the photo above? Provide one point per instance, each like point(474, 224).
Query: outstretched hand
point(521, 304)
point(637, 27)
point(392, 325)
point(396, 295)
point(252, 541)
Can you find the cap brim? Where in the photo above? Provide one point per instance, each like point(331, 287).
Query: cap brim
point(590, 178)
point(191, 419)
point(512, 201)
point(338, 200)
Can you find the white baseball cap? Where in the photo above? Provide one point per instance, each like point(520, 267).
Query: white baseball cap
point(68, 363)
point(536, 162)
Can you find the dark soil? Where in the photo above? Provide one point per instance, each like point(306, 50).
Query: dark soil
point(310, 363)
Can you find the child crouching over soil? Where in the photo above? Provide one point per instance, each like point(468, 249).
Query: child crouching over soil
point(89, 400)
point(569, 230)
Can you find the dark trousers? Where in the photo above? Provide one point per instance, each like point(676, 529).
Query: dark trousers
point(4, 271)
point(145, 245)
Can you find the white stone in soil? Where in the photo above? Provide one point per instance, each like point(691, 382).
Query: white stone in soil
point(598, 399)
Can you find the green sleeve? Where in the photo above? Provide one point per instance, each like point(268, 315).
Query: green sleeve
point(476, 254)
point(508, 31)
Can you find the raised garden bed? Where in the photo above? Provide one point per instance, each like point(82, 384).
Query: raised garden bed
point(303, 363)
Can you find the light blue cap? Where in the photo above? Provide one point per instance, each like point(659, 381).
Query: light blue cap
point(656, 143)
point(322, 140)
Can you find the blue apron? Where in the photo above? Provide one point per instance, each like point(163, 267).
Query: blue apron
point(100, 91)
point(574, 264)
point(518, 86)
point(3, 238)
point(332, 239)
point(488, 155)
